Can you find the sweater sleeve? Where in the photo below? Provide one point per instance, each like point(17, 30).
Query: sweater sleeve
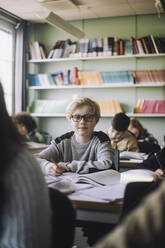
point(44, 157)
point(132, 144)
point(143, 228)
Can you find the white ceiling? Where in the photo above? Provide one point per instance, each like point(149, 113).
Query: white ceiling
point(37, 10)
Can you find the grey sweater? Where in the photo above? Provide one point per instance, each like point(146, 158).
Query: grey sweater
point(97, 153)
point(26, 216)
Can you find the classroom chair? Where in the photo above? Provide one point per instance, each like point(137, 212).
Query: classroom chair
point(63, 220)
point(116, 162)
point(135, 192)
point(116, 159)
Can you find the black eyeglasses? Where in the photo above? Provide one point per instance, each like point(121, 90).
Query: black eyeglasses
point(86, 118)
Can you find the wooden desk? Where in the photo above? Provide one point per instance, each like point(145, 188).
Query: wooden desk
point(96, 211)
point(129, 164)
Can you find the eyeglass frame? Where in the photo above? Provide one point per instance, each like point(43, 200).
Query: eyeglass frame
point(86, 118)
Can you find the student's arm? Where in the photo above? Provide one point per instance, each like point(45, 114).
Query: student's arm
point(143, 228)
point(148, 147)
point(132, 144)
point(154, 162)
point(45, 158)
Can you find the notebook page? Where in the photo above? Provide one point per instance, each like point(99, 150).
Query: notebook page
point(105, 177)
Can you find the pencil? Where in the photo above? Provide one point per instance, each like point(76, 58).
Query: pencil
point(52, 160)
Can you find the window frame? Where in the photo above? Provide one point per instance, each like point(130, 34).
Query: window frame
point(13, 24)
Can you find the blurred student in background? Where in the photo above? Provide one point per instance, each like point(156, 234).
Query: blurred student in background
point(27, 127)
point(146, 141)
point(119, 135)
point(24, 201)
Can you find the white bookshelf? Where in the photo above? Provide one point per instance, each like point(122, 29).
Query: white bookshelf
point(110, 85)
point(95, 58)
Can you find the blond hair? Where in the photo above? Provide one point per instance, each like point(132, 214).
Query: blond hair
point(80, 102)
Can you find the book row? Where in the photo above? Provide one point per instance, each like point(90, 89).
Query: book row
point(59, 106)
point(76, 77)
point(108, 46)
point(150, 106)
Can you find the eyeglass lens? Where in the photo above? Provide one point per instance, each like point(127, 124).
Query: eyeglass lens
point(86, 118)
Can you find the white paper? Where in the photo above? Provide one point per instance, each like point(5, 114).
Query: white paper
point(108, 193)
point(134, 155)
point(137, 175)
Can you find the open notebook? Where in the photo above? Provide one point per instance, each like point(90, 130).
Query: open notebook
point(111, 184)
point(111, 177)
point(99, 178)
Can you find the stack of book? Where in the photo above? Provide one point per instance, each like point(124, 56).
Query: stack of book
point(40, 79)
point(107, 46)
point(62, 49)
point(49, 106)
point(149, 76)
point(150, 106)
point(148, 45)
point(117, 77)
point(109, 106)
point(89, 78)
point(37, 50)
point(76, 77)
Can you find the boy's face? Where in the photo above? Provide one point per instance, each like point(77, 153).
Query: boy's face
point(83, 121)
point(134, 130)
point(22, 129)
point(114, 134)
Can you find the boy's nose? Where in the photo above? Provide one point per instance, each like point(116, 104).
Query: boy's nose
point(82, 120)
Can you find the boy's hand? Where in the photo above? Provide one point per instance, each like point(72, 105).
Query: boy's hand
point(53, 170)
point(160, 173)
point(56, 169)
point(63, 166)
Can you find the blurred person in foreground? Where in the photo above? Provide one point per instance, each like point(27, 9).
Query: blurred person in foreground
point(24, 200)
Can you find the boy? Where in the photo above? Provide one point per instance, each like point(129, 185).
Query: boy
point(26, 126)
point(81, 149)
point(119, 135)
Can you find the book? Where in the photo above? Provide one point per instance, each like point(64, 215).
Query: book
point(137, 175)
point(51, 179)
point(134, 155)
point(100, 178)
point(110, 184)
point(153, 106)
point(108, 193)
point(65, 186)
point(109, 106)
point(49, 106)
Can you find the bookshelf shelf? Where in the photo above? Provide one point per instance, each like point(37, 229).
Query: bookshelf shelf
point(102, 116)
point(110, 85)
point(95, 58)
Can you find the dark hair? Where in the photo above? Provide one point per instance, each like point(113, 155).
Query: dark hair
point(10, 142)
point(136, 124)
point(25, 119)
point(120, 122)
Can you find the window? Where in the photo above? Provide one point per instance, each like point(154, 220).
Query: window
point(6, 65)
point(12, 62)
